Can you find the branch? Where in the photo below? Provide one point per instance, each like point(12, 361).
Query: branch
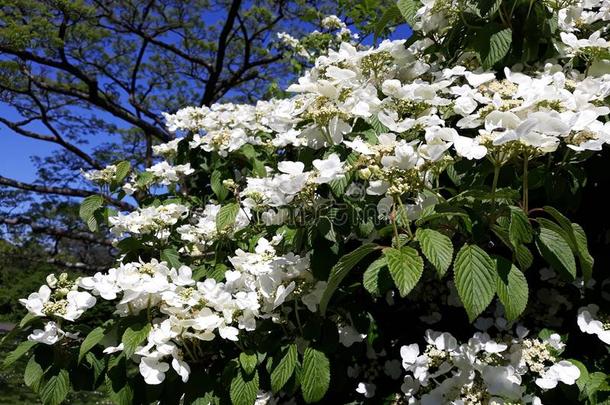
point(210, 88)
point(70, 192)
point(16, 127)
point(76, 265)
point(93, 94)
point(53, 231)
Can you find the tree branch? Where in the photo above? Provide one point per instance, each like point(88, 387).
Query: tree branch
point(76, 265)
point(210, 88)
point(53, 231)
point(66, 191)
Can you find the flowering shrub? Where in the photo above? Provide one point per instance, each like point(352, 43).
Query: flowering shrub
point(298, 249)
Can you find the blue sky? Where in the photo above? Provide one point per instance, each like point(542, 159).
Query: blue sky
point(16, 150)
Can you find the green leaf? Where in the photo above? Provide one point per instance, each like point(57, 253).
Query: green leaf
point(437, 248)
point(258, 168)
point(285, 368)
point(122, 170)
point(171, 257)
point(575, 236)
point(519, 229)
point(92, 339)
point(27, 319)
point(406, 268)
point(377, 125)
point(19, 351)
point(556, 251)
point(561, 219)
point(217, 187)
point(499, 45)
point(117, 385)
point(144, 179)
point(408, 9)
point(584, 375)
point(524, 257)
point(243, 391)
point(32, 376)
point(88, 208)
point(315, 375)
point(511, 286)
point(133, 336)
point(97, 365)
point(371, 279)
point(584, 257)
point(248, 362)
point(341, 269)
point(89, 205)
point(474, 279)
point(226, 216)
point(56, 389)
point(489, 7)
point(594, 383)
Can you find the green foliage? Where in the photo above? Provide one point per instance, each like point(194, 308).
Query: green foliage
point(342, 269)
point(56, 388)
point(406, 268)
point(226, 216)
point(133, 336)
point(244, 388)
point(556, 251)
point(315, 376)
point(511, 287)
point(284, 369)
point(475, 279)
point(437, 248)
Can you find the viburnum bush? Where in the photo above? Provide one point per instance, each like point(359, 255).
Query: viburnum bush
point(382, 236)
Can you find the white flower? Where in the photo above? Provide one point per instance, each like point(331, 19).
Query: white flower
point(36, 301)
point(77, 303)
point(50, 335)
point(503, 381)
point(366, 389)
point(469, 148)
point(588, 324)
point(181, 368)
point(152, 370)
point(563, 371)
point(329, 169)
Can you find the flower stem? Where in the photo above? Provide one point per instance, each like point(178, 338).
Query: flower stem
point(404, 212)
point(525, 184)
point(494, 184)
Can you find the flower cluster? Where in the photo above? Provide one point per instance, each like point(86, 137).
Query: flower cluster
point(483, 370)
point(189, 312)
point(150, 220)
point(59, 299)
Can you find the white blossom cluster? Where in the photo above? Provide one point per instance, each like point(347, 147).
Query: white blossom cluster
point(186, 312)
point(395, 89)
point(308, 46)
point(150, 220)
point(483, 370)
point(103, 176)
point(203, 230)
point(59, 298)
